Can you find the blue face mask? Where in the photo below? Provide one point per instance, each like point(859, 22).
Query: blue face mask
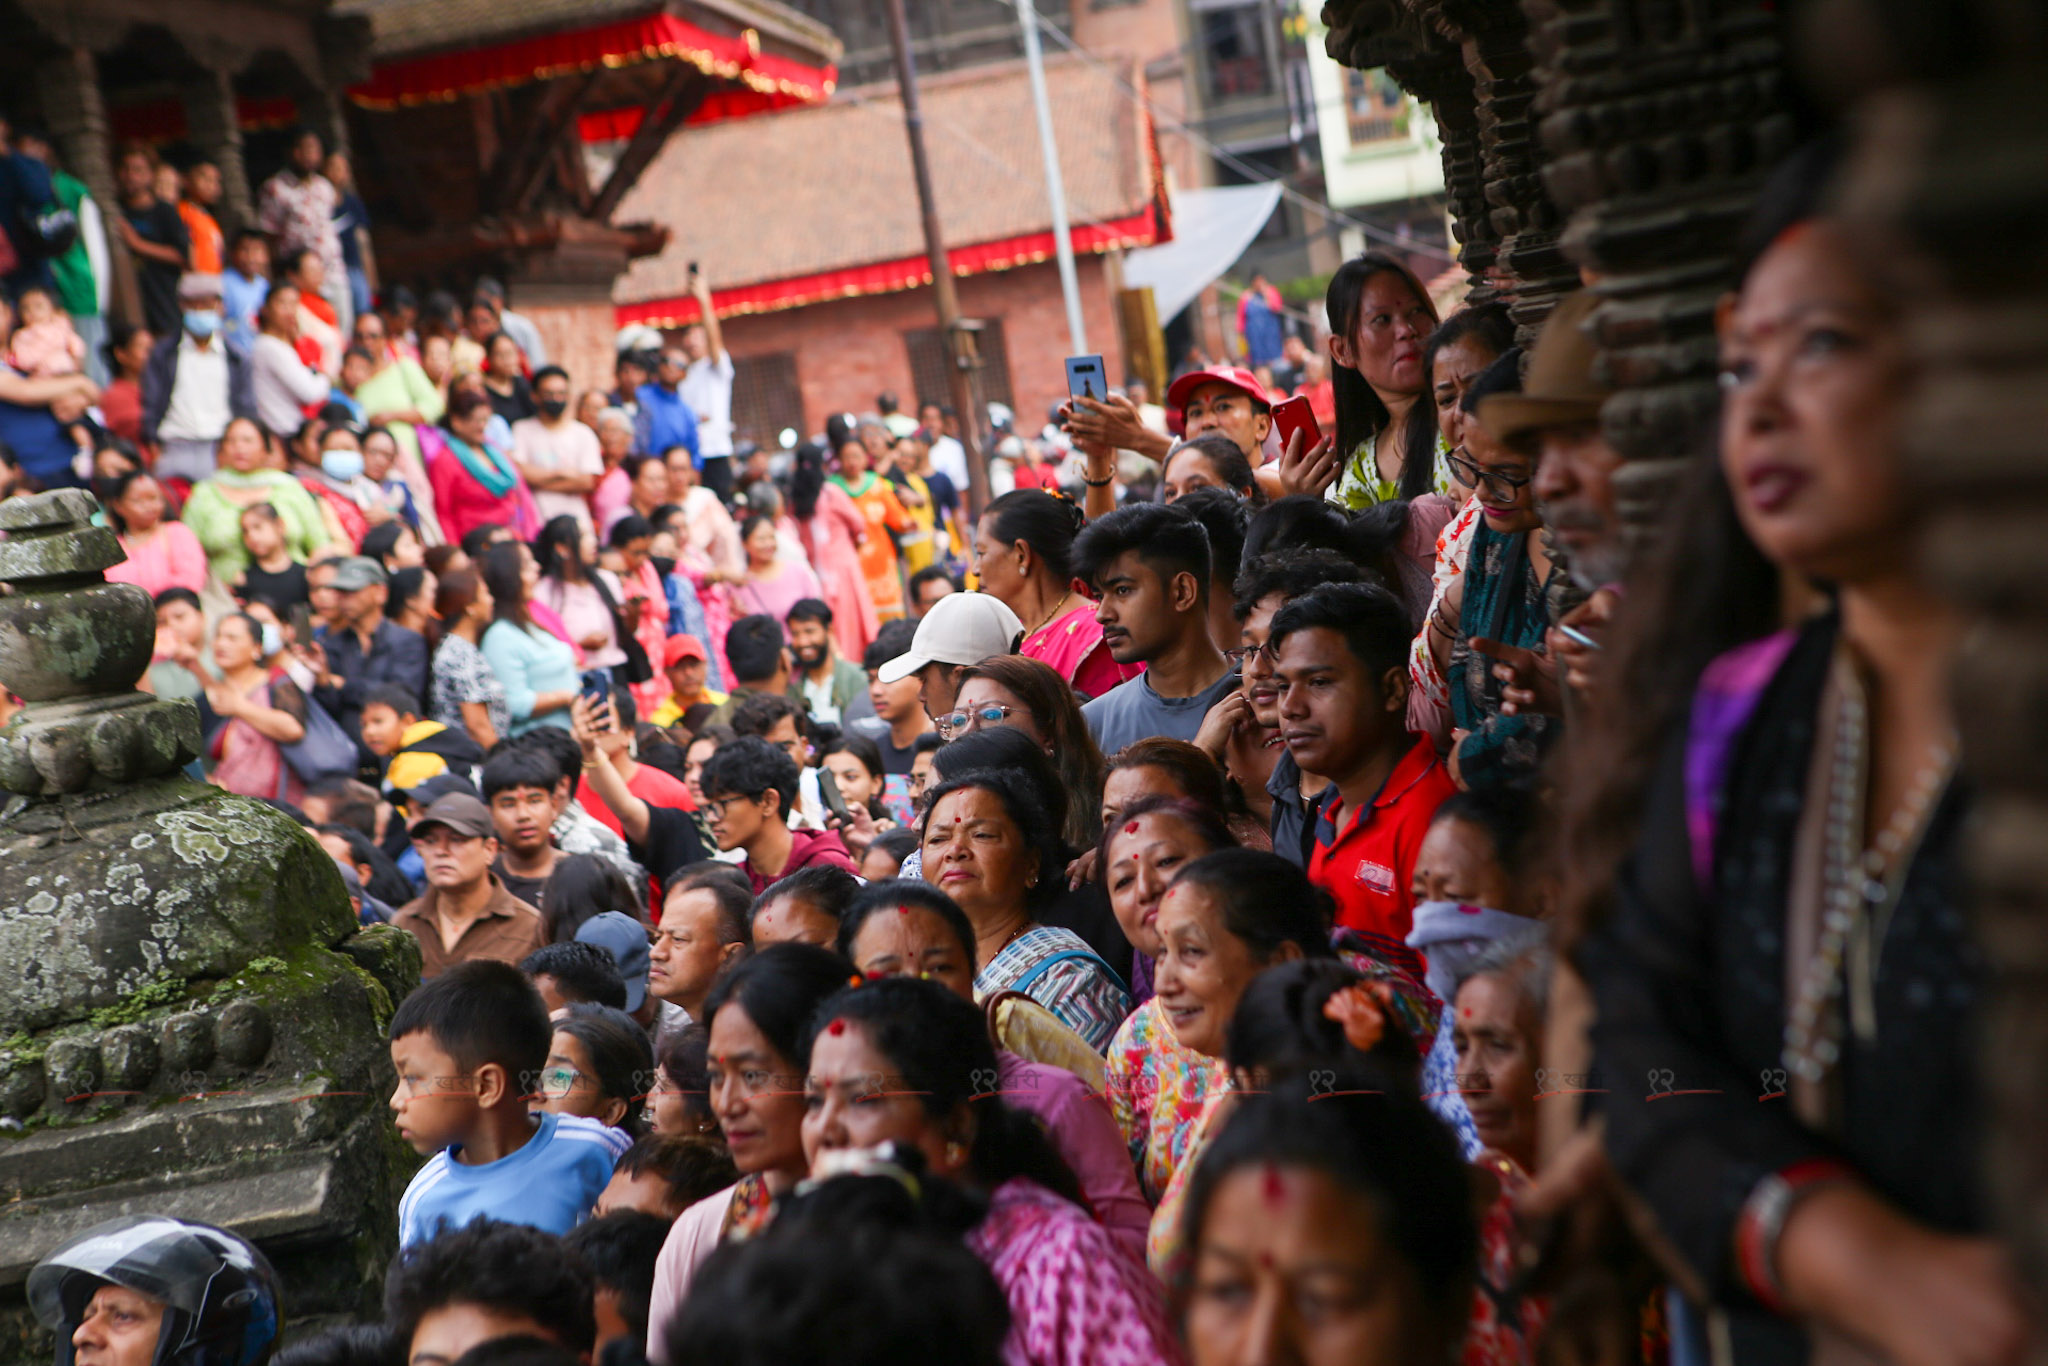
point(202, 323)
point(342, 464)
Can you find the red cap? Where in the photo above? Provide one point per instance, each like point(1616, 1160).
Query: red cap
point(679, 648)
point(1236, 376)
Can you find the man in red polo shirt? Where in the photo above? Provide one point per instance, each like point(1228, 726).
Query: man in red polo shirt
point(1341, 664)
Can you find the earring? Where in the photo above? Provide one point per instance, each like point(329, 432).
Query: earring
point(954, 1152)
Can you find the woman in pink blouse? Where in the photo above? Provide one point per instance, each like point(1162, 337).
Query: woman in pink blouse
point(907, 1061)
point(1023, 549)
point(772, 584)
point(161, 554)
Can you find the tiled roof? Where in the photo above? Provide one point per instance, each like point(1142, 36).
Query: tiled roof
point(809, 191)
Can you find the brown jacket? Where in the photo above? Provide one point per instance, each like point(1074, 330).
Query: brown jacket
point(507, 931)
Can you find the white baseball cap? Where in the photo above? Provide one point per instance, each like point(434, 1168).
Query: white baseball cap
point(961, 628)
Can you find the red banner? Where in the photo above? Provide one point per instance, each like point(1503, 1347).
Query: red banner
point(1141, 229)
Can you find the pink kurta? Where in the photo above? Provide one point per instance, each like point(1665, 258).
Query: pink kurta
point(784, 585)
point(173, 558)
point(651, 631)
point(831, 538)
point(1073, 647)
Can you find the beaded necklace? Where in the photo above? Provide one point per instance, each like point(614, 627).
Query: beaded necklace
point(1860, 887)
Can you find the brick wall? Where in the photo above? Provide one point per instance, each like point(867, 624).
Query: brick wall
point(578, 338)
point(849, 350)
point(1149, 31)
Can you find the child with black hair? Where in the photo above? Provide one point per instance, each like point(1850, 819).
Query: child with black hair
point(665, 1175)
point(491, 1279)
point(413, 749)
point(469, 1047)
point(620, 1249)
point(600, 1065)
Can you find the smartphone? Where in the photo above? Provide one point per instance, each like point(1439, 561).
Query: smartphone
point(828, 788)
point(1087, 379)
point(693, 268)
point(597, 687)
point(1291, 416)
point(301, 621)
point(1575, 635)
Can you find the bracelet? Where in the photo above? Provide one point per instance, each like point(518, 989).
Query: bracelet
point(1762, 1223)
point(1098, 483)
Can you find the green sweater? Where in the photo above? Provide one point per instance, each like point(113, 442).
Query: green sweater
point(216, 519)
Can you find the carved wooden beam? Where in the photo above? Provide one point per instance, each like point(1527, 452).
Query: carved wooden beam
point(683, 93)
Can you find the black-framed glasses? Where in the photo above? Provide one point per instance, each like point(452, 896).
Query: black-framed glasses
point(994, 714)
point(1469, 473)
point(1248, 654)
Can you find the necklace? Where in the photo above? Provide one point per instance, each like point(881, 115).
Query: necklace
point(1050, 615)
point(1859, 890)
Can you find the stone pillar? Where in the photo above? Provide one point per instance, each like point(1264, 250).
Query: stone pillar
point(69, 88)
point(1950, 132)
point(1661, 122)
point(1535, 272)
point(216, 129)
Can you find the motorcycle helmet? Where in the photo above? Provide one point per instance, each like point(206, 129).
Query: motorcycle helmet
point(222, 1305)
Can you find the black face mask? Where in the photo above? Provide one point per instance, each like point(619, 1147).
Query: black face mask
point(661, 566)
point(552, 407)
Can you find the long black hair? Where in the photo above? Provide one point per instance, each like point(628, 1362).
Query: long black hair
point(939, 1044)
point(559, 547)
point(1361, 415)
point(501, 574)
point(806, 481)
point(583, 886)
point(779, 988)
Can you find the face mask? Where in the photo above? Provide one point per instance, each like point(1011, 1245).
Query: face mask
point(661, 566)
point(202, 323)
point(553, 407)
point(342, 465)
point(272, 640)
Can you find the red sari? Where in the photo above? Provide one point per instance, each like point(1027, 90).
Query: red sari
point(1072, 646)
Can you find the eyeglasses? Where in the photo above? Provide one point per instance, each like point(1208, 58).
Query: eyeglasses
point(1249, 654)
point(1503, 486)
point(994, 714)
point(717, 805)
point(558, 1081)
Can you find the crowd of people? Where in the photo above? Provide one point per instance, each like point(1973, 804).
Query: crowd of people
point(1336, 900)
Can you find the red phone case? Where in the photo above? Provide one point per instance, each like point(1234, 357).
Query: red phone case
point(1295, 415)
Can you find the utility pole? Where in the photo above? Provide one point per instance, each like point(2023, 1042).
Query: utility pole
point(959, 356)
point(1055, 188)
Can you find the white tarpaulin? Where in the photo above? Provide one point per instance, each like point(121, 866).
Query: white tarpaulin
point(1211, 229)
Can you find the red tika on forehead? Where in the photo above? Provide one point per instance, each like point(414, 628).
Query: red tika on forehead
point(1273, 1187)
point(903, 910)
point(1131, 829)
point(836, 1027)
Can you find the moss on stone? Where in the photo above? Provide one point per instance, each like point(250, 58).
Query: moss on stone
point(138, 1004)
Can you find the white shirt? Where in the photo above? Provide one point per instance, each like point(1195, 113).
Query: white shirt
point(198, 406)
point(949, 458)
point(282, 384)
point(707, 388)
point(569, 447)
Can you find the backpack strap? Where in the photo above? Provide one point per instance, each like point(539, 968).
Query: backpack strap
point(1723, 703)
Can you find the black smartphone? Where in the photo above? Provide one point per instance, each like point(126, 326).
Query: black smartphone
point(828, 788)
point(1087, 379)
point(301, 621)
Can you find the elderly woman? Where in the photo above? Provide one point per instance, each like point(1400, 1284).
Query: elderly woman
point(987, 844)
point(1012, 690)
point(1498, 1031)
point(253, 711)
point(1023, 555)
point(475, 483)
point(1156, 1086)
point(1227, 917)
point(1074, 1296)
point(909, 929)
point(614, 443)
point(758, 1014)
point(240, 480)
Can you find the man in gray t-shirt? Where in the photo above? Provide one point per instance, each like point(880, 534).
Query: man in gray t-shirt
point(1148, 565)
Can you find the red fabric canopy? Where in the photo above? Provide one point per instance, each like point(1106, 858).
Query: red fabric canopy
point(164, 120)
point(762, 81)
point(1141, 229)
